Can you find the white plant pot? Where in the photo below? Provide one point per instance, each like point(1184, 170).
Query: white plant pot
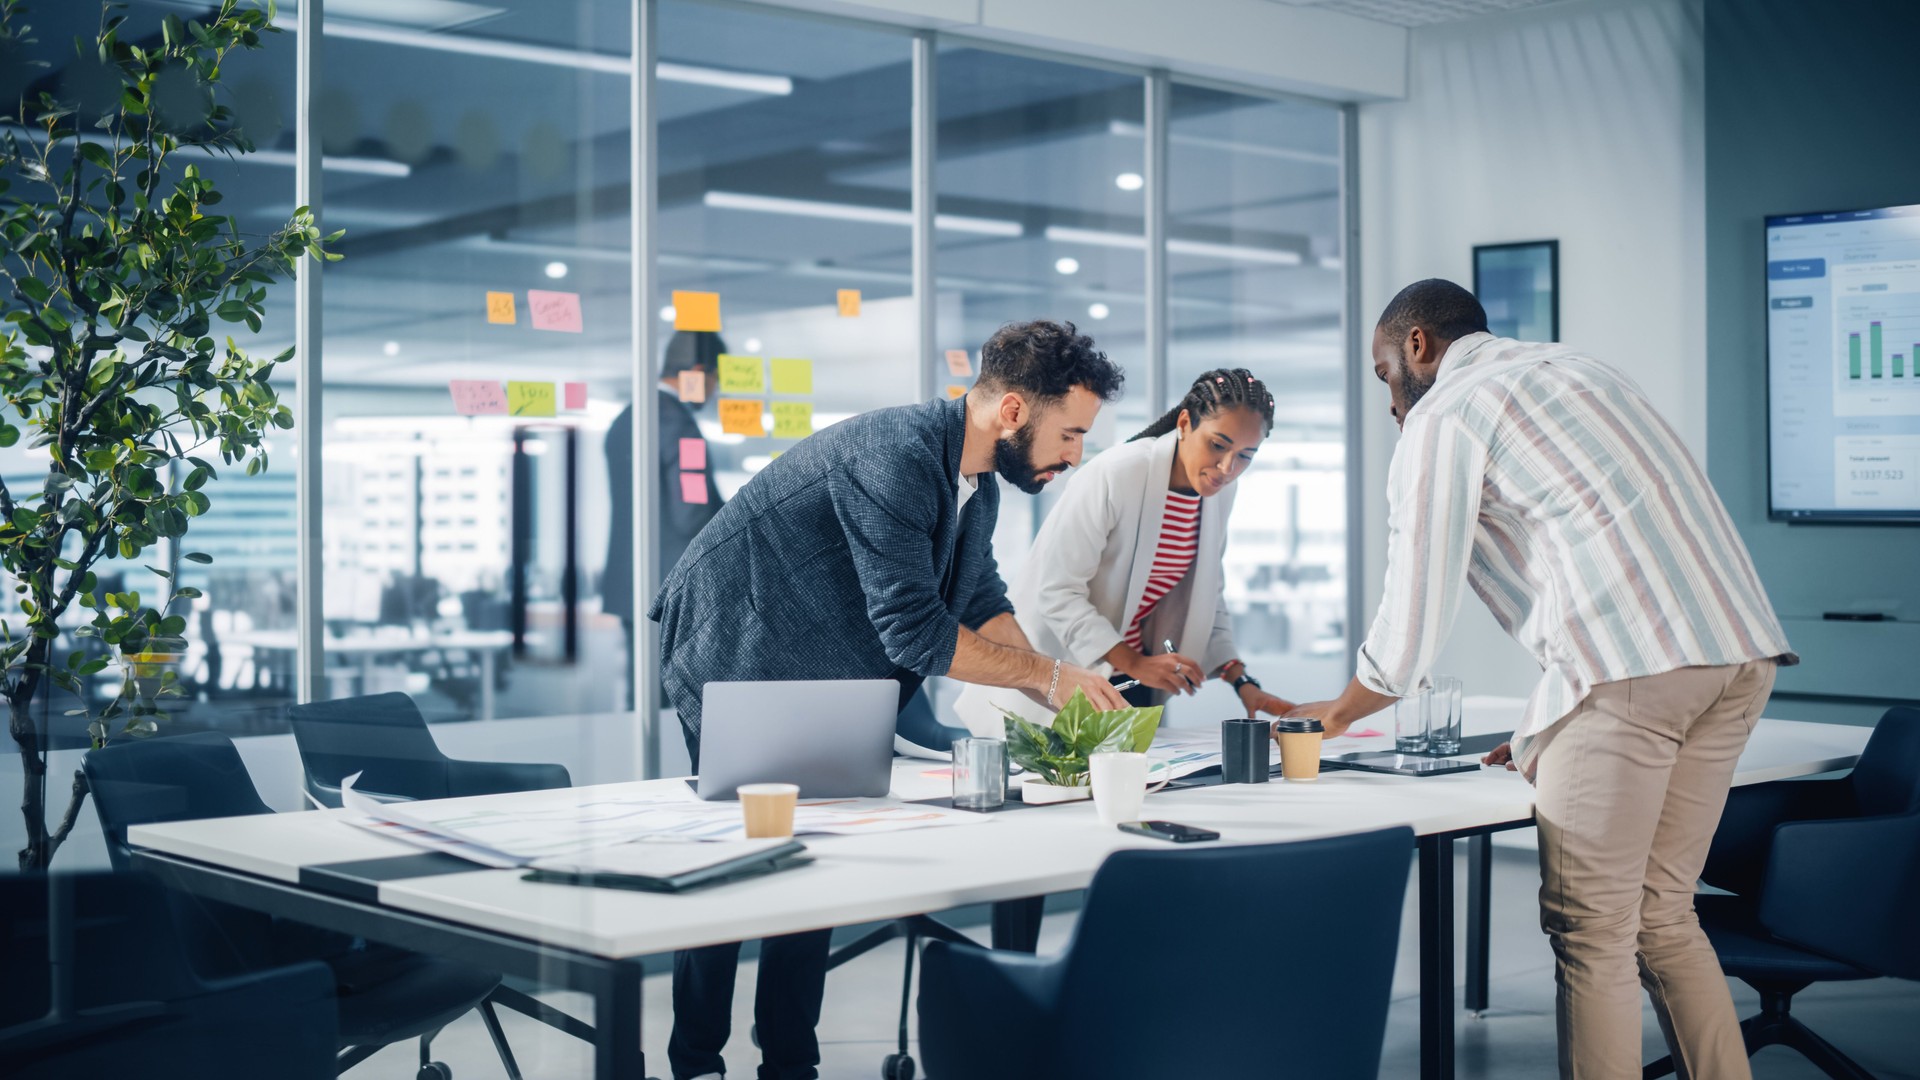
point(1037, 792)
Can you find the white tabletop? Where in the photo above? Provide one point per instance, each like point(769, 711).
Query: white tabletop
point(1018, 853)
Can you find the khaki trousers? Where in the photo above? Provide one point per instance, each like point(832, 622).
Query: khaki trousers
point(1630, 789)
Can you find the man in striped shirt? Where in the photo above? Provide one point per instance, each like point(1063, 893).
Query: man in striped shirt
point(1547, 483)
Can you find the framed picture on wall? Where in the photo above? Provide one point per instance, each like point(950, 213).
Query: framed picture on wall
point(1519, 285)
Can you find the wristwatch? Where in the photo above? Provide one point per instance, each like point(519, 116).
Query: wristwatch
point(1246, 680)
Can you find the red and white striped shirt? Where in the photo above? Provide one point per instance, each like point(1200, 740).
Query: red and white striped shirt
point(1179, 541)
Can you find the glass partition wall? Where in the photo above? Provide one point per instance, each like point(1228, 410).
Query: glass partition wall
point(479, 348)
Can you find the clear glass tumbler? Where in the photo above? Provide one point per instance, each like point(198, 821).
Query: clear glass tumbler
point(1443, 715)
point(1410, 723)
point(979, 774)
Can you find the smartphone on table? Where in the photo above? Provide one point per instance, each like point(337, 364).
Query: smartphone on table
point(1169, 830)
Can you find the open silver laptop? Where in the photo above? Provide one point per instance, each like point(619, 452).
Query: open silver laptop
point(833, 738)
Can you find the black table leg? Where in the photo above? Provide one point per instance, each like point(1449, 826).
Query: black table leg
point(1016, 923)
point(616, 1048)
point(1479, 919)
point(1436, 958)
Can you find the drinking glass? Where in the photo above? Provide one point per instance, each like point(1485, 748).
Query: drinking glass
point(1410, 724)
point(1443, 715)
point(979, 773)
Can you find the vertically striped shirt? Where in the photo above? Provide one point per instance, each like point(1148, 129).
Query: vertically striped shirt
point(1546, 482)
point(1172, 557)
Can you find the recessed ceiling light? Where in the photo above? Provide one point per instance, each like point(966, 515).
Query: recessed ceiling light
point(391, 348)
point(753, 345)
point(1067, 264)
point(667, 313)
point(1129, 181)
point(556, 269)
point(1098, 310)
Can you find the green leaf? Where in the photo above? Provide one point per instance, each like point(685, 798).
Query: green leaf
point(200, 556)
point(35, 289)
point(25, 520)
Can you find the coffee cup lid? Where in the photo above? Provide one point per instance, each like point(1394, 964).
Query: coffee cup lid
point(1307, 724)
point(1245, 720)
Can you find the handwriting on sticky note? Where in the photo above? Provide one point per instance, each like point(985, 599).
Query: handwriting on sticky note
point(792, 419)
point(693, 387)
point(693, 488)
point(500, 307)
point(742, 375)
point(849, 303)
point(478, 397)
point(792, 376)
point(530, 399)
point(554, 311)
point(742, 416)
point(576, 395)
point(696, 311)
point(693, 454)
point(956, 391)
point(959, 364)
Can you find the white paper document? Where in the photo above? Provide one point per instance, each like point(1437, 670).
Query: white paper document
point(656, 858)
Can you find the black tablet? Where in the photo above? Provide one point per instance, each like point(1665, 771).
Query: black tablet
point(1405, 764)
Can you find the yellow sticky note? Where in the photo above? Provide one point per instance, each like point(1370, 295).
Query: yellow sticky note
point(956, 391)
point(500, 307)
point(792, 376)
point(742, 375)
point(792, 419)
point(742, 416)
point(693, 387)
point(696, 311)
point(530, 399)
point(849, 303)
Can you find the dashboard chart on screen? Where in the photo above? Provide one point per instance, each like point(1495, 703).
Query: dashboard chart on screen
point(1843, 351)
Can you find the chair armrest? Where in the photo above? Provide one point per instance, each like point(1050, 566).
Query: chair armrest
point(496, 777)
point(1737, 861)
point(1845, 888)
point(987, 1013)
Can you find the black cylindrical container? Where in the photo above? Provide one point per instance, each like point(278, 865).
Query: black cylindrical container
point(1244, 750)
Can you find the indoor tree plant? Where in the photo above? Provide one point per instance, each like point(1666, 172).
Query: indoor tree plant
point(114, 272)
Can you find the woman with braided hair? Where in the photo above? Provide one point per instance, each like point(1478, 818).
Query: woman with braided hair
point(1130, 558)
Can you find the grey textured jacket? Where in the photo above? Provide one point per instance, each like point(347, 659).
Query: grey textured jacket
point(838, 561)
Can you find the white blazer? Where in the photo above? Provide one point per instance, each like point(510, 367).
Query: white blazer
point(1088, 570)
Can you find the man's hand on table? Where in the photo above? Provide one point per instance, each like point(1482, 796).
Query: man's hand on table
point(1501, 755)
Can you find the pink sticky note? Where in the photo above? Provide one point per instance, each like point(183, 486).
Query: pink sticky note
point(1365, 733)
point(693, 454)
point(576, 395)
point(478, 397)
point(555, 310)
point(693, 488)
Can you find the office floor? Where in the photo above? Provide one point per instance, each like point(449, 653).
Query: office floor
point(1872, 1021)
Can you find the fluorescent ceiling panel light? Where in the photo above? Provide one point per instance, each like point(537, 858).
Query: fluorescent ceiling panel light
point(1132, 130)
point(773, 85)
point(425, 14)
point(363, 165)
point(1064, 234)
point(876, 215)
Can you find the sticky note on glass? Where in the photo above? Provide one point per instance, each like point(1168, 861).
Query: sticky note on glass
point(792, 376)
point(742, 416)
point(849, 303)
point(500, 307)
point(792, 419)
point(696, 311)
point(956, 391)
point(693, 387)
point(576, 395)
point(530, 399)
point(693, 488)
point(477, 397)
point(958, 363)
point(742, 375)
point(693, 454)
point(554, 310)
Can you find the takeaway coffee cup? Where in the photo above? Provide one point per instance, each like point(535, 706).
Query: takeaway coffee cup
point(1243, 750)
point(1299, 748)
point(768, 808)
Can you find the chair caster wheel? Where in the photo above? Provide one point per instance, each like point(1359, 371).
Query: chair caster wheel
point(434, 1070)
point(897, 1067)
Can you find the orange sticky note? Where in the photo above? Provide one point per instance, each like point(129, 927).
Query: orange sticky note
point(693, 387)
point(958, 363)
point(478, 397)
point(554, 311)
point(500, 307)
point(693, 454)
point(956, 391)
point(849, 303)
point(576, 395)
point(693, 488)
point(742, 416)
point(696, 311)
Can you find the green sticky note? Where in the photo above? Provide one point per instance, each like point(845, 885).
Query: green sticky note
point(792, 419)
point(742, 375)
point(530, 399)
point(792, 376)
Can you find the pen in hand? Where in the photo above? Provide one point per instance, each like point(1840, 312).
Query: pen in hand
point(1166, 645)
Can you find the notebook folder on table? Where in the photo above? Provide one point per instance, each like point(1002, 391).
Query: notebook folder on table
point(669, 867)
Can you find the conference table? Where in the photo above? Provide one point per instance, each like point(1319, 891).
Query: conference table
point(316, 867)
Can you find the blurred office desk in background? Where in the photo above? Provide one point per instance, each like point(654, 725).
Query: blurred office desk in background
point(278, 648)
point(315, 867)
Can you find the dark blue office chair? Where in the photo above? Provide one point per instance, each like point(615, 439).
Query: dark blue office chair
point(127, 1002)
point(386, 995)
point(1188, 962)
point(384, 738)
point(1824, 874)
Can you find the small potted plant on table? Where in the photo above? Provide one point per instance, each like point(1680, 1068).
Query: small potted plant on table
point(1057, 755)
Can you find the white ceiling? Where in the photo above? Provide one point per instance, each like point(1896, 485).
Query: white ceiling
point(1416, 12)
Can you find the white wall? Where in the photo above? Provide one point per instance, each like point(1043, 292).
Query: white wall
point(1580, 122)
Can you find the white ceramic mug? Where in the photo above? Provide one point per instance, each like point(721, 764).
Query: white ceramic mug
point(1120, 785)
